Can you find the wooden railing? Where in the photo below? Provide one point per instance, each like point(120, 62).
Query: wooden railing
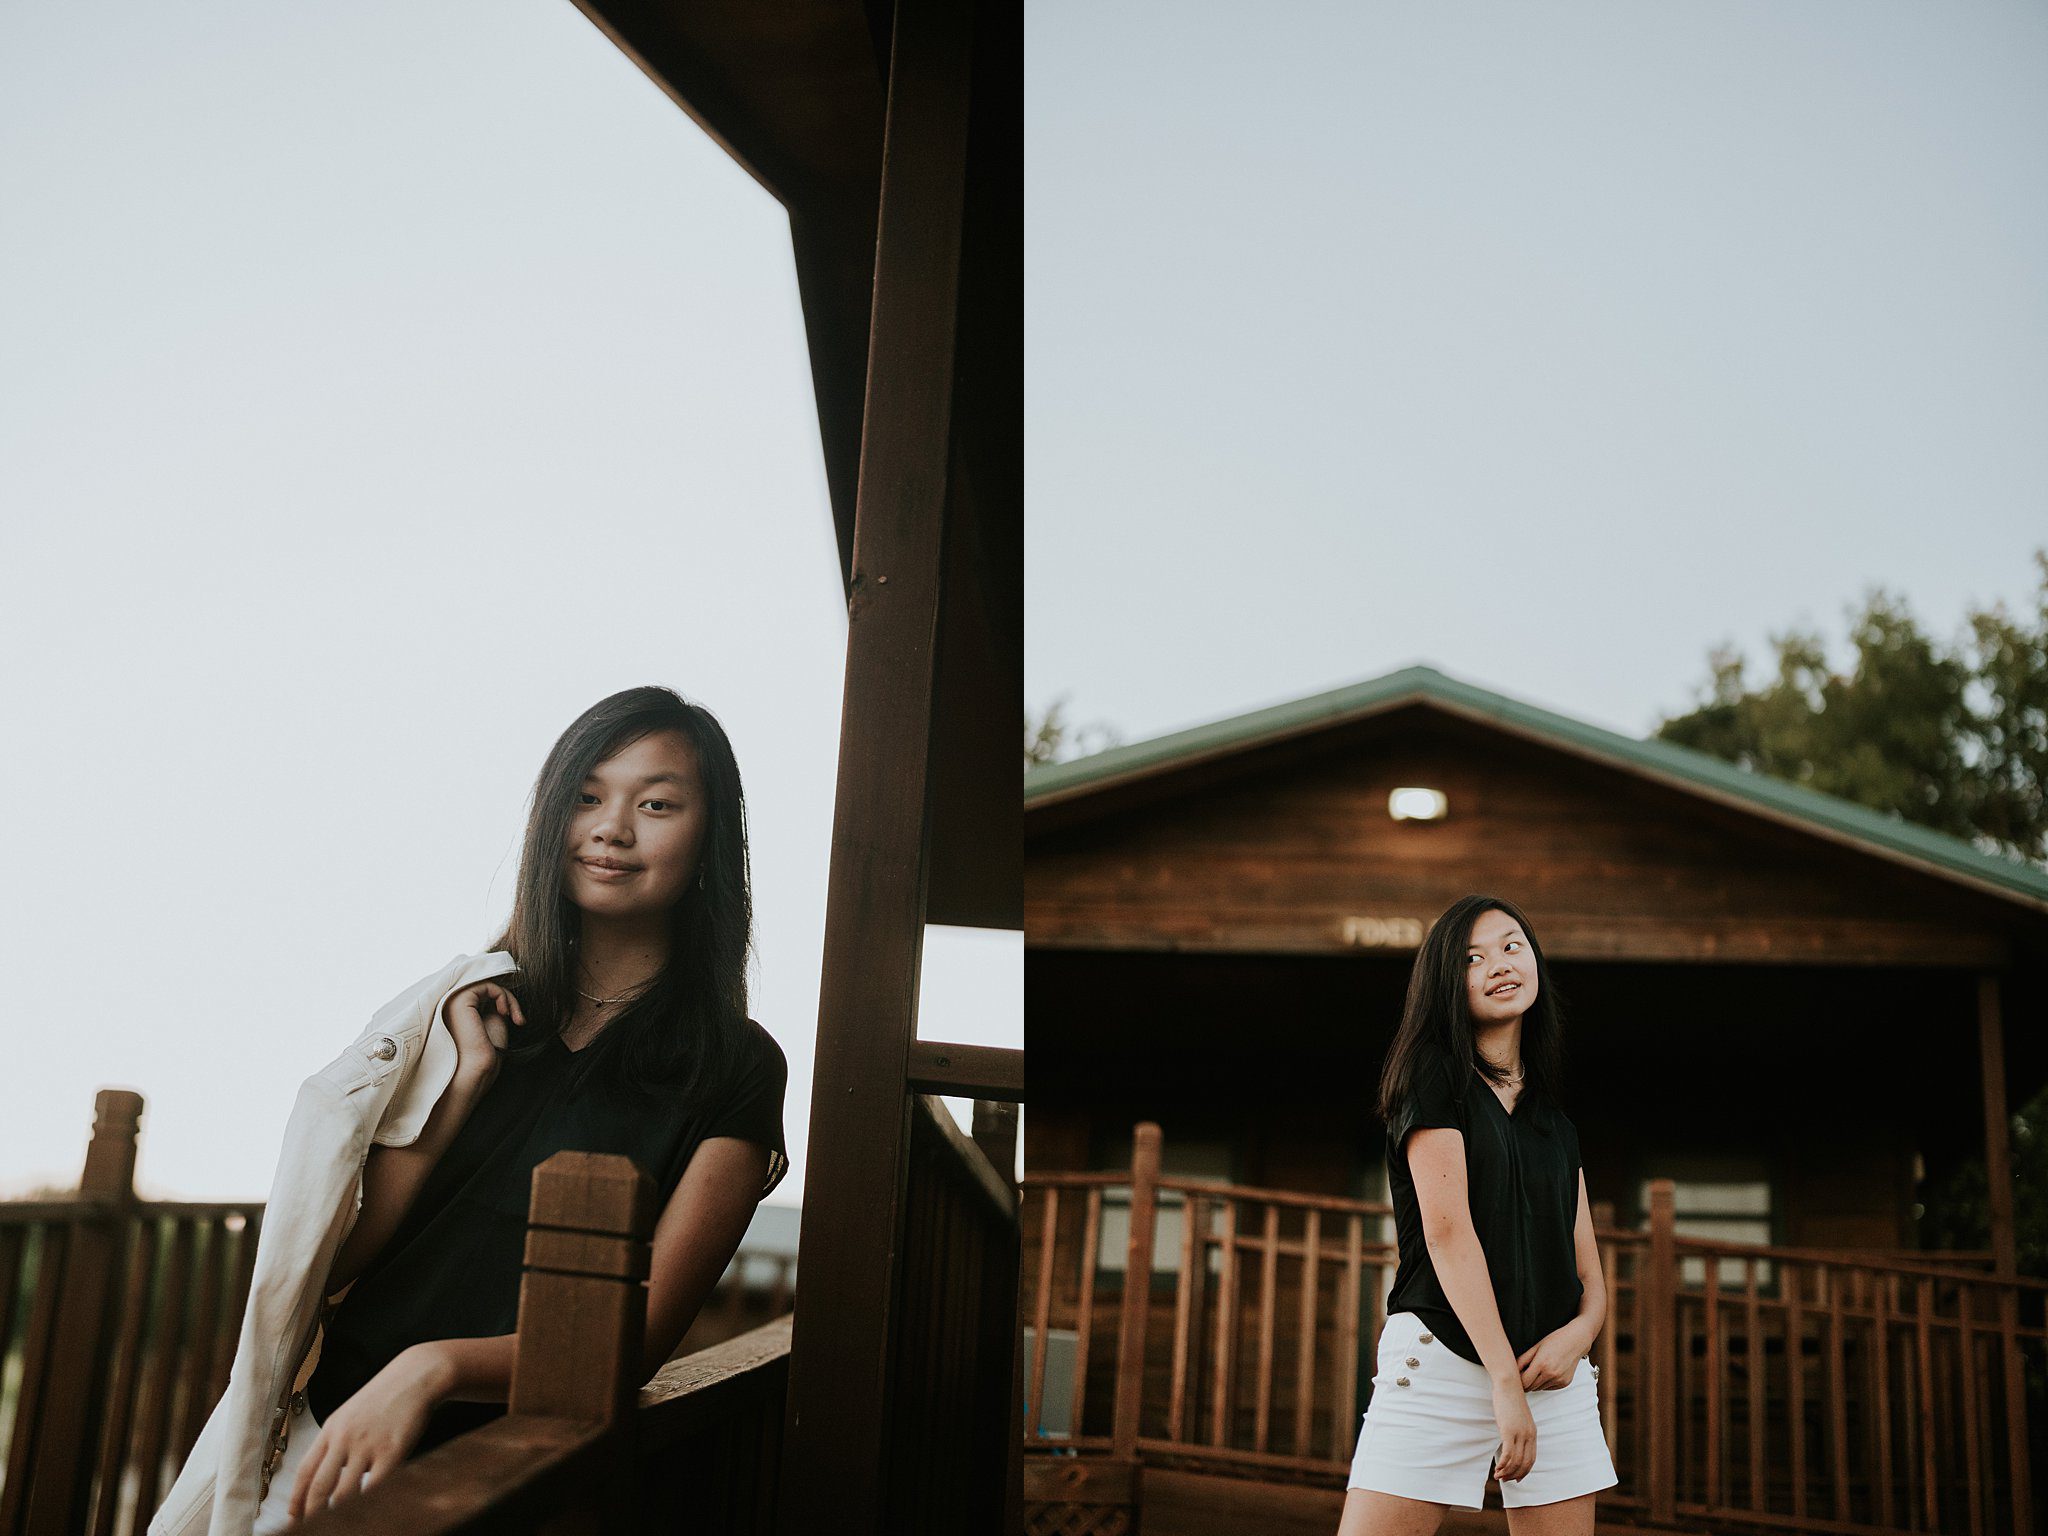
point(1779, 1387)
point(955, 1342)
point(582, 1449)
point(118, 1324)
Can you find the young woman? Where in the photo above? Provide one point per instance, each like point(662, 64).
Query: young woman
point(624, 1030)
point(1498, 1295)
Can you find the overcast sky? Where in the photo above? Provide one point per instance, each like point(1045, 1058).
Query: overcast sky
point(1549, 343)
point(380, 386)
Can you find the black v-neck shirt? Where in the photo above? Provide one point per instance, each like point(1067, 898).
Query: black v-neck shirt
point(452, 1268)
point(1522, 1183)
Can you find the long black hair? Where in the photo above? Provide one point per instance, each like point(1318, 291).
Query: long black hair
point(686, 1027)
point(1436, 1021)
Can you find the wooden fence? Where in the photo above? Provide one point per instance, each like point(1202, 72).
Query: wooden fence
point(955, 1426)
point(119, 1319)
point(1788, 1389)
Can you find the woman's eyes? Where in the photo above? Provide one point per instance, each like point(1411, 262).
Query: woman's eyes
point(1511, 944)
point(666, 804)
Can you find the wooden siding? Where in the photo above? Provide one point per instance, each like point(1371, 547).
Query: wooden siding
point(1288, 851)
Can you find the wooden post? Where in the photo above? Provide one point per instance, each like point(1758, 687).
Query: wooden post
point(1130, 1347)
point(1658, 1290)
point(1997, 1126)
point(2004, 1247)
point(583, 1313)
point(838, 1427)
point(67, 1428)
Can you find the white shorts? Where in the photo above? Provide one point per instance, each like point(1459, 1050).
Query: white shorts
point(274, 1513)
point(1436, 1438)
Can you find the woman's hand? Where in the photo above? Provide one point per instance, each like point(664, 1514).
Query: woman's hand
point(369, 1435)
point(1517, 1454)
point(480, 1016)
point(1551, 1361)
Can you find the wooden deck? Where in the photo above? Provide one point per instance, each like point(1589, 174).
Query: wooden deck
point(1742, 1386)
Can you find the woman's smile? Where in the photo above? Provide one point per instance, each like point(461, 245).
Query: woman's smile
point(606, 873)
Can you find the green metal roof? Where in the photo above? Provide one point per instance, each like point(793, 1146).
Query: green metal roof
point(1702, 773)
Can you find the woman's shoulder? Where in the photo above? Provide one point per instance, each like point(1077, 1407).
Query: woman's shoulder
point(764, 1045)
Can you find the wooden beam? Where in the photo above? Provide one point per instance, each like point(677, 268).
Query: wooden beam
point(2004, 1245)
point(1997, 1125)
point(1111, 924)
point(967, 1071)
point(838, 1429)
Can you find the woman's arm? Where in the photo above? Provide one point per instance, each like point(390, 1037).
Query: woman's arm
point(698, 1233)
point(1436, 1162)
point(392, 1177)
point(1591, 1317)
point(479, 1017)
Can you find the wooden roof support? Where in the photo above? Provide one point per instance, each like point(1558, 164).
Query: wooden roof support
point(1997, 1125)
point(2004, 1245)
point(836, 1440)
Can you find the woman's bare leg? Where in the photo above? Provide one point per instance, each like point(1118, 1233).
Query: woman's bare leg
point(1567, 1517)
point(1371, 1513)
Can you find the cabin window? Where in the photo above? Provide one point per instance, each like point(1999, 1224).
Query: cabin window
point(1178, 1159)
point(1731, 1204)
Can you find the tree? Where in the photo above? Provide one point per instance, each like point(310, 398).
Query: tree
point(1049, 739)
point(1953, 736)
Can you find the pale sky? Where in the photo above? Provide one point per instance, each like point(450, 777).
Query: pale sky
point(1546, 343)
point(380, 386)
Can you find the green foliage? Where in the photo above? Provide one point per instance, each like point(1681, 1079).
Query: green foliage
point(1050, 739)
point(1953, 736)
point(1958, 1213)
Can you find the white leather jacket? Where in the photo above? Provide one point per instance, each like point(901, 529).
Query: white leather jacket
point(382, 1088)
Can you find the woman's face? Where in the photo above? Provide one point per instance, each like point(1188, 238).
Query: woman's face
point(642, 809)
point(1500, 973)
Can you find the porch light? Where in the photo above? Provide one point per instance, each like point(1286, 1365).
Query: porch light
point(1412, 804)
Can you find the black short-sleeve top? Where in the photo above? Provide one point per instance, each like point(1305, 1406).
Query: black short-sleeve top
point(452, 1268)
point(1522, 1183)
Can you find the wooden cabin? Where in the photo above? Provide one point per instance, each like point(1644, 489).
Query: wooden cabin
point(1787, 1016)
point(893, 134)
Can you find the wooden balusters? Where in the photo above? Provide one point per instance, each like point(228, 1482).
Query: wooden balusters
point(1187, 1308)
point(1715, 1371)
point(1344, 1400)
point(1880, 1416)
point(1795, 1382)
point(1084, 1318)
point(1041, 1316)
point(1223, 1359)
point(120, 1404)
point(1658, 1313)
point(1305, 1333)
point(1269, 1261)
